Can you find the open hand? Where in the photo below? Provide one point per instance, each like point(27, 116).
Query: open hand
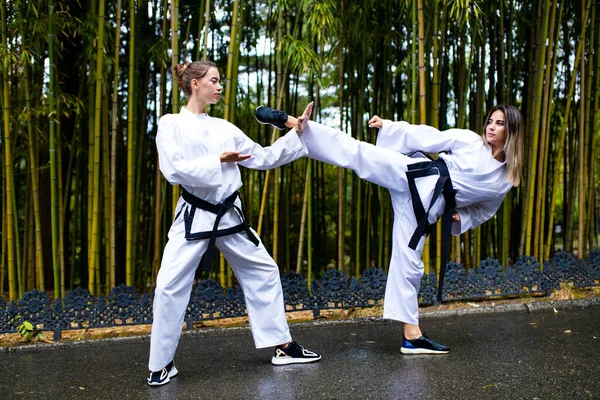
point(303, 119)
point(375, 122)
point(234, 156)
point(455, 217)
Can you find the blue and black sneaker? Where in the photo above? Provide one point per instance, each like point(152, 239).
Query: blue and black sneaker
point(423, 345)
point(158, 378)
point(268, 116)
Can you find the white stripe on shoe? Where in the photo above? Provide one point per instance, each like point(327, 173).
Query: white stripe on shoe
point(405, 350)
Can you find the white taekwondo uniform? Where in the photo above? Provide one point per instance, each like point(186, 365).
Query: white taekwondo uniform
point(189, 146)
point(479, 179)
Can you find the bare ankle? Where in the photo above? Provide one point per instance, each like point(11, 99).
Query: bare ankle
point(412, 332)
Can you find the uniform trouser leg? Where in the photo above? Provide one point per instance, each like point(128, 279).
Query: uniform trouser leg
point(386, 168)
point(172, 294)
point(406, 268)
point(256, 271)
point(258, 275)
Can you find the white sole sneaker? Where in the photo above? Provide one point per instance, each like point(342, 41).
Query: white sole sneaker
point(404, 350)
point(171, 374)
point(288, 361)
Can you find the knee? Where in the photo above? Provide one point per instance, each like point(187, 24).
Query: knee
point(168, 285)
point(161, 287)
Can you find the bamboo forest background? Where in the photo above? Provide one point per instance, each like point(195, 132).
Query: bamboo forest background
point(85, 82)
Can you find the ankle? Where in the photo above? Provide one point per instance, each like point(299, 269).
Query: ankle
point(412, 332)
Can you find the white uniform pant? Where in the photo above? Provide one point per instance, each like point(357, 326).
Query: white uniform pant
point(255, 270)
point(386, 168)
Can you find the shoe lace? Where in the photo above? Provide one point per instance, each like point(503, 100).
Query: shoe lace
point(291, 346)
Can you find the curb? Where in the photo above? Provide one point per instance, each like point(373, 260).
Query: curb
point(562, 305)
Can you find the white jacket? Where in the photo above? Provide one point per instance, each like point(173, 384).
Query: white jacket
point(189, 148)
point(480, 180)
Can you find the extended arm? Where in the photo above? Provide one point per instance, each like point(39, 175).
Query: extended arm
point(284, 150)
point(407, 138)
point(472, 216)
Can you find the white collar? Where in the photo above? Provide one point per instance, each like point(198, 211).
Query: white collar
point(185, 111)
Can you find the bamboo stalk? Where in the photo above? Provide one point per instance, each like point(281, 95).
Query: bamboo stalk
point(61, 206)
point(4, 239)
point(53, 164)
point(206, 22)
point(106, 200)
point(340, 243)
point(95, 248)
point(113, 151)
point(589, 135)
point(303, 219)
point(309, 272)
point(159, 201)
point(230, 95)
point(175, 85)
point(595, 134)
point(33, 168)
point(581, 146)
point(29, 262)
point(129, 260)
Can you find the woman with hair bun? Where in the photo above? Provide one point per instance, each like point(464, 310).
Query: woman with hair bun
point(201, 153)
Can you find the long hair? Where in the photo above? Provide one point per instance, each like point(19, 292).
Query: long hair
point(188, 71)
point(513, 143)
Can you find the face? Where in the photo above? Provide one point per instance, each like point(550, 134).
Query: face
point(494, 130)
point(207, 89)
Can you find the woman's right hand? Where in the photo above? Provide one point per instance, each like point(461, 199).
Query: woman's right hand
point(375, 122)
point(302, 121)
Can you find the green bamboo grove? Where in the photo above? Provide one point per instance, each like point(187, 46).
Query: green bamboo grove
point(84, 84)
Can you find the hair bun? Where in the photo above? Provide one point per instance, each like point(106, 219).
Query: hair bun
point(179, 70)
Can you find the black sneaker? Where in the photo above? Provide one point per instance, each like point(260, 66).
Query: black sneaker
point(423, 345)
point(293, 354)
point(158, 378)
point(268, 116)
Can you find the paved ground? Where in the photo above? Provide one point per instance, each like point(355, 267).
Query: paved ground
point(521, 353)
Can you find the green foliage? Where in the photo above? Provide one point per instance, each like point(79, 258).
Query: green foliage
point(29, 332)
point(302, 58)
point(465, 10)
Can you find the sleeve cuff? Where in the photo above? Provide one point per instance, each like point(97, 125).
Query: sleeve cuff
point(457, 226)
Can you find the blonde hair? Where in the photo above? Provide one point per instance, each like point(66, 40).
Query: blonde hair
point(513, 143)
point(188, 71)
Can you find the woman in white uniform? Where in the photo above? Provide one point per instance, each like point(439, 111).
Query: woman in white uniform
point(201, 153)
point(467, 184)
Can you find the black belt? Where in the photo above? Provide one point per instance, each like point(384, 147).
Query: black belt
point(442, 186)
point(220, 210)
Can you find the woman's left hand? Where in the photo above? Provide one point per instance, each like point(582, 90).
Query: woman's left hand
point(233, 156)
point(455, 217)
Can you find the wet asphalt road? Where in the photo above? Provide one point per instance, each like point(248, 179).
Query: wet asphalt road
point(540, 354)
